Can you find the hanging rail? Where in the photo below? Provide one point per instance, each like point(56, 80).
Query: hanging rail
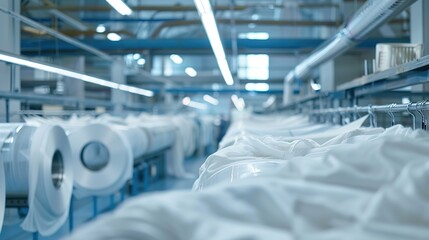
point(423, 106)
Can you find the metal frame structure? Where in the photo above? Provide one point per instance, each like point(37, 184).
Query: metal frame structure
point(380, 83)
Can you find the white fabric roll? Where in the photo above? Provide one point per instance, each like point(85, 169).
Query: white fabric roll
point(2, 191)
point(102, 136)
point(136, 137)
point(38, 166)
point(187, 130)
point(102, 157)
point(5, 131)
point(167, 134)
point(161, 135)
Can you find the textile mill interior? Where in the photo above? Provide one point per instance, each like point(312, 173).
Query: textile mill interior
point(214, 119)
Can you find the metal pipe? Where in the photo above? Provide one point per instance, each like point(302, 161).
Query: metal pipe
point(369, 17)
point(57, 34)
point(161, 8)
point(182, 8)
point(158, 30)
point(92, 32)
point(424, 106)
point(69, 20)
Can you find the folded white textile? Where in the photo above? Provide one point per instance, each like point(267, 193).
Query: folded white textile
point(267, 156)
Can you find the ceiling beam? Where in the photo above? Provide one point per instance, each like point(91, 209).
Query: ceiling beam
point(292, 23)
point(106, 8)
point(38, 46)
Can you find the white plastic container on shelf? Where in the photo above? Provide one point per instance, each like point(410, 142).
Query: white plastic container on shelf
point(389, 55)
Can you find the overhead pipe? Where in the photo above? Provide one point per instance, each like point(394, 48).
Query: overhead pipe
point(179, 8)
point(66, 18)
point(292, 23)
point(159, 8)
point(75, 33)
point(368, 18)
point(56, 34)
point(181, 23)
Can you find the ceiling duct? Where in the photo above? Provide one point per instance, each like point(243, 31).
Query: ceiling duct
point(368, 18)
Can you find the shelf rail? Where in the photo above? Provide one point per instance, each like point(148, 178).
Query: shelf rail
point(56, 34)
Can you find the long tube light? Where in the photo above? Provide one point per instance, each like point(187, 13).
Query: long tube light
point(114, 37)
point(188, 102)
point(210, 99)
point(270, 101)
point(205, 10)
point(238, 102)
point(120, 7)
point(22, 61)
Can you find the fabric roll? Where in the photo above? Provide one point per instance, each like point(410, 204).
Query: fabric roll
point(2, 187)
point(37, 163)
point(102, 158)
point(136, 137)
point(161, 135)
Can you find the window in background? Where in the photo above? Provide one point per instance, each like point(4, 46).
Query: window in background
point(253, 66)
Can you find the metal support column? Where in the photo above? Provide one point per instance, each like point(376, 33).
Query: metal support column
point(10, 42)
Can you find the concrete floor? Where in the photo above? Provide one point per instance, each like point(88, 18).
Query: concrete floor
point(84, 208)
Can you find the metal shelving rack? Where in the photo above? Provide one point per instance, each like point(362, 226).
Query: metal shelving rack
point(381, 83)
point(412, 73)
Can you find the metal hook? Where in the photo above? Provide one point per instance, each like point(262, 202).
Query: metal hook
point(343, 118)
point(372, 117)
point(412, 114)
point(424, 123)
point(357, 112)
point(418, 109)
point(392, 116)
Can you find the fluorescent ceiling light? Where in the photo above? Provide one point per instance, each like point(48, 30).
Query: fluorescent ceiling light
point(315, 86)
point(135, 90)
point(191, 72)
point(270, 101)
point(22, 61)
point(255, 16)
point(197, 105)
point(241, 101)
point(100, 28)
point(114, 37)
point(120, 7)
point(136, 56)
point(176, 59)
point(187, 102)
point(210, 99)
point(405, 100)
point(209, 23)
point(239, 104)
point(255, 35)
point(259, 87)
point(141, 61)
